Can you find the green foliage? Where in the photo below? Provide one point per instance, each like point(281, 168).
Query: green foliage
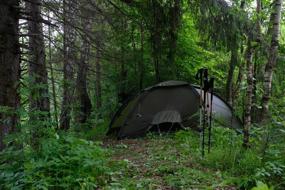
point(239, 166)
point(94, 129)
point(62, 162)
point(228, 154)
point(261, 186)
point(193, 53)
point(180, 179)
point(66, 161)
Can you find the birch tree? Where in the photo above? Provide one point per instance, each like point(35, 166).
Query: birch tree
point(274, 31)
point(252, 41)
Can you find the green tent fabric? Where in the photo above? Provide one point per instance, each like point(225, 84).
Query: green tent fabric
point(166, 104)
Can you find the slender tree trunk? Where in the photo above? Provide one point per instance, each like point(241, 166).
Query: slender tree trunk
point(134, 49)
point(123, 72)
point(249, 93)
point(98, 78)
point(250, 51)
point(239, 80)
point(229, 84)
point(236, 89)
point(85, 105)
point(174, 16)
point(9, 68)
point(123, 78)
point(69, 62)
point(52, 76)
point(39, 97)
point(272, 56)
point(255, 113)
point(156, 38)
point(98, 68)
point(255, 110)
point(141, 61)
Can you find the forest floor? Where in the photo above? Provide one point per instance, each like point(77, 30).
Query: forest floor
point(163, 162)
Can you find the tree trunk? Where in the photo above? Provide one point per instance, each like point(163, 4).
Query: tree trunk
point(52, 75)
point(249, 93)
point(98, 78)
point(232, 64)
point(69, 60)
point(85, 105)
point(250, 51)
point(156, 38)
point(236, 90)
point(9, 68)
point(141, 61)
point(39, 97)
point(123, 94)
point(255, 112)
point(272, 56)
point(134, 50)
point(174, 16)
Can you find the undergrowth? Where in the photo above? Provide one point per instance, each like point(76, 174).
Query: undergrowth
point(66, 160)
point(241, 167)
point(63, 161)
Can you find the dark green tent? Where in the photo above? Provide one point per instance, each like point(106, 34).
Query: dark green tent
point(166, 106)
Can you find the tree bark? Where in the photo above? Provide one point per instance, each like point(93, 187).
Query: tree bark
point(9, 68)
point(52, 76)
point(249, 93)
point(232, 66)
point(39, 96)
point(69, 59)
point(174, 16)
point(98, 78)
point(272, 56)
point(236, 90)
point(141, 61)
point(255, 112)
point(156, 38)
point(85, 105)
point(250, 51)
point(123, 94)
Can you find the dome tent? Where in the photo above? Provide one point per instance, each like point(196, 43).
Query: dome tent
point(165, 105)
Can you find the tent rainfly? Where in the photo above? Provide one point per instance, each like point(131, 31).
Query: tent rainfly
point(166, 106)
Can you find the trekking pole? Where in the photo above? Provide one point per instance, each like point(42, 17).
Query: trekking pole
point(205, 81)
point(200, 77)
point(211, 112)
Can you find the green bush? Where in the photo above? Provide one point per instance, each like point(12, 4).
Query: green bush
point(272, 172)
